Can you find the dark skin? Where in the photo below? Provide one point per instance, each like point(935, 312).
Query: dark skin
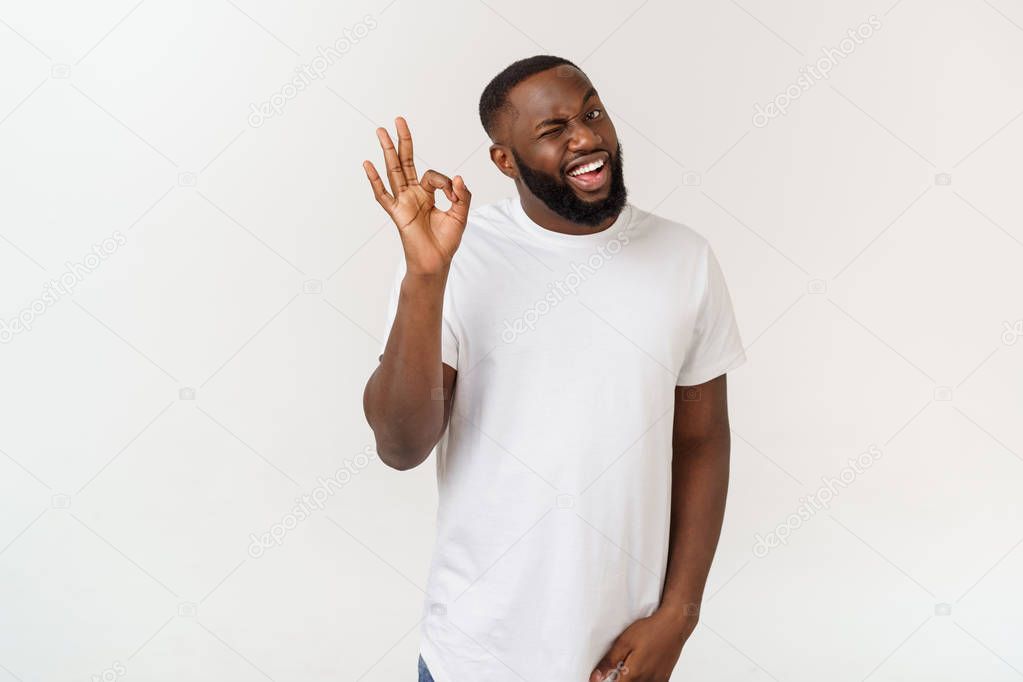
point(649, 648)
point(408, 397)
point(556, 118)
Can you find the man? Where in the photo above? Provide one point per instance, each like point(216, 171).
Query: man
point(568, 352)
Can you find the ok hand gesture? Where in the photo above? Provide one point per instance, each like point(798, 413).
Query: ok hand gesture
point(429, 236)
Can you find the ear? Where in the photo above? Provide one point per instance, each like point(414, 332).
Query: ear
point(503, 159)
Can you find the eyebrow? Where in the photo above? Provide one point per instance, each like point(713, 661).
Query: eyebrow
point(549, 121)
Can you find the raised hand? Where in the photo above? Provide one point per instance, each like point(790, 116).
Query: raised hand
point(429, 235)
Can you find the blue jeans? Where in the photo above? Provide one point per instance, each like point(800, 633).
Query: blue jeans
point(424, 672)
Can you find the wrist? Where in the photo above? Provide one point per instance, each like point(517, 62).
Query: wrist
point(424, 283)
point(682, 615)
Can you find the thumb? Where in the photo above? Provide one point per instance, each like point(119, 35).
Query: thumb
point(460, 204)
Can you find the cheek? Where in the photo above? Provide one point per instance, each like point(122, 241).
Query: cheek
point(609, 133)
point(550, 159)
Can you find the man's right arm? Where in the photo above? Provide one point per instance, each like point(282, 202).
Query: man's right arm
point(408, 397)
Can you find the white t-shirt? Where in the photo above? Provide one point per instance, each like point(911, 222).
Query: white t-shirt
point(554, 475)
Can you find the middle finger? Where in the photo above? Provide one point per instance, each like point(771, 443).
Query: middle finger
point(405, 155)
point(394, 174)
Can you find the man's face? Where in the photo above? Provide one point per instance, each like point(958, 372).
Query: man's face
point(561, 128)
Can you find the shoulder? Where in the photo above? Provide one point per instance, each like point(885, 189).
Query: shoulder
point(675, 237)
point(487, 227)
point(495, 210)
point(486, 219)
point(488, 232)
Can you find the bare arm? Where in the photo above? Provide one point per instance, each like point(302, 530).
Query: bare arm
point(701, 446)
point(649, 648)
point(407, 399)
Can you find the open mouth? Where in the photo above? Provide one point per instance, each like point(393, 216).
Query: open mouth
point(590, 177)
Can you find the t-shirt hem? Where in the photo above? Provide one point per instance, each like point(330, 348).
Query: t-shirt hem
point(701, 375)
point(432, 659)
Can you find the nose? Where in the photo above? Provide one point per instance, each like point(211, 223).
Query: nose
point(584, 137)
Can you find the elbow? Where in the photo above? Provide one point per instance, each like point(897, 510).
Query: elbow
point(401, 458)
point(397, 449)
point(400, 444)
point(400, 451)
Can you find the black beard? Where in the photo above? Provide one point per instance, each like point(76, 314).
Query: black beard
point(559, 196)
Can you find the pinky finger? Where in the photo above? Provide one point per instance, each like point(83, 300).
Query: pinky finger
point(379, 191)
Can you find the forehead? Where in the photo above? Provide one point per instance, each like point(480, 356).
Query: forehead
point(553, 93)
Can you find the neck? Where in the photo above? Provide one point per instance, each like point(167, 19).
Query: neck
point(543, 216)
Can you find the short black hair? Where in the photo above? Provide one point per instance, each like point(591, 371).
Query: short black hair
point(495, 95)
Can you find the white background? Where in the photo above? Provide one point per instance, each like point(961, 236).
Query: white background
point(876, 296)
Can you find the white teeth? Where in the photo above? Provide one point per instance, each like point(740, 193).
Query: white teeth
point(586, 168)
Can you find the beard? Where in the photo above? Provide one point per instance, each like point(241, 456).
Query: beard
point(557, 194)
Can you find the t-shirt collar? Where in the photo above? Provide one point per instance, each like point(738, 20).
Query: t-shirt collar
point(621, 223)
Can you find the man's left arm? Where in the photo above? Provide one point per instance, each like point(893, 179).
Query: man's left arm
point(649, 648)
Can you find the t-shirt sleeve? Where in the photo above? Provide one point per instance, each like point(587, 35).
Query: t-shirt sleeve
point(716, 346)
point(448, 339)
